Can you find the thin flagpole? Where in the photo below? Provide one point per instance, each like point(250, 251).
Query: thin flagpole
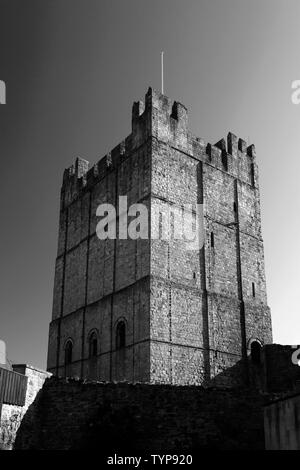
point(162, 72)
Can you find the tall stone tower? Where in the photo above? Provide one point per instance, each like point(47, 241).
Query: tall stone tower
point(149, 309)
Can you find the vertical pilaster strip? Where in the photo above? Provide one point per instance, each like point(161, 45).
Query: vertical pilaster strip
point(151, 150)
point(114, 271)
point(133, 299)
point(202, 262)
point(63, 283)
point(86, 284)
point(170, 228)
point(240, 281)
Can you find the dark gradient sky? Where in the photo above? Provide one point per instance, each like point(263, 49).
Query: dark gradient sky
point(72, 70)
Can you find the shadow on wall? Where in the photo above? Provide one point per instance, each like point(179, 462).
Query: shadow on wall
point(161, 417)
point(74, 414)
point(269, 369)
point(251, 373)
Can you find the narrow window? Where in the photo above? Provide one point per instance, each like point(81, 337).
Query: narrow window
point(252, 174)
point(212, 240)
point(121, 335)
point(160, 225)
point(256, 352)
point(93, 345)
point(194, 222)
point(93, 351)
point(68, 352)
point(172, 224)
point(253, 289)
point(234, 206)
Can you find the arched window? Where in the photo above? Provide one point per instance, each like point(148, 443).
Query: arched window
point(68, 352)
point(256, 352)
point(121, 335)
point(212, 240)
point(93, 345)
point(92, 366)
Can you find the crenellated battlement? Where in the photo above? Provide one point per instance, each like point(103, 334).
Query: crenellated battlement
point(235, 146)
point(80, 176)
point(159, 117)
point(77, 170)
point(235, 157)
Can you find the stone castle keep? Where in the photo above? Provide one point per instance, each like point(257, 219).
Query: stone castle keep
point(150, 310)
point(152, 346)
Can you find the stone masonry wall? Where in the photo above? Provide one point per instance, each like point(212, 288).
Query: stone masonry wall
point(98, 283)
point(11, 415)
point(206, 305)
point(282, 423)
point(280, 372)
point(125, 417)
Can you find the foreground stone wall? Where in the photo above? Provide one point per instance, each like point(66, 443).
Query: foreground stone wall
point(282, 424)
point(280, 373)
point(11, 415)
point(107, 416)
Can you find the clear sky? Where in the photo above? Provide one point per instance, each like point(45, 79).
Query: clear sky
point(72, 70)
